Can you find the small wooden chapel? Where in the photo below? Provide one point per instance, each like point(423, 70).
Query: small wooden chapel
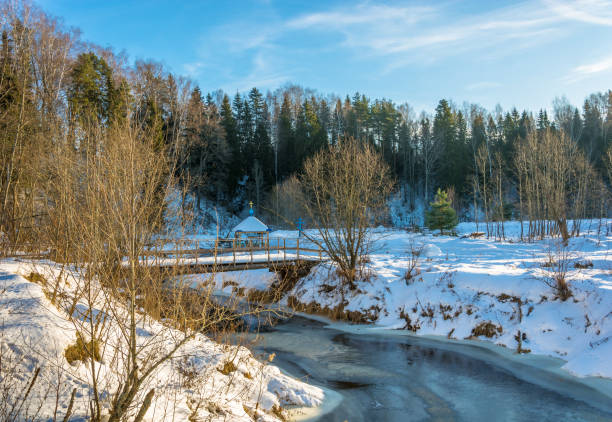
point(251, 230)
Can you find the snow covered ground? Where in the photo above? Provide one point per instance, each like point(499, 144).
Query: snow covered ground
point(34, 333)
point(460, 282)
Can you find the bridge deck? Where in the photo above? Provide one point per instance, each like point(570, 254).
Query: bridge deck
point(239, 256)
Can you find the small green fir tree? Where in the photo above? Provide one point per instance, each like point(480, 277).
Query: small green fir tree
point(441, 215)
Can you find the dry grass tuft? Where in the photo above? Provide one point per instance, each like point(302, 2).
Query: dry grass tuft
point(38, 278)
point(410, 325)
point(82, 350)
point(338, 312)
point(278, 412)
point(228, 367)
point(486, 329)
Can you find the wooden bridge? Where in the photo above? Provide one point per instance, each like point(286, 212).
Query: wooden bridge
point(218, 255)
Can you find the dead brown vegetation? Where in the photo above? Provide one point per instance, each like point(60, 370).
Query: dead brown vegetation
point(413, 326)
point(486, 329)
point(82, 350)
point(338, 312)
point(556, 269)
point(413, 270)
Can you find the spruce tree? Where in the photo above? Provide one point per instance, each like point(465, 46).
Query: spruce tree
point(286, 140)
point(91, 94)
point(233, 142)
point(441, 215)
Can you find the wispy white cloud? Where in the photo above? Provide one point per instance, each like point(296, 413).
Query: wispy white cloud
point(362, 14)
point(395, 36)
point(598, 12)
point(263, 74)
point(408, 34)
point(588, 70)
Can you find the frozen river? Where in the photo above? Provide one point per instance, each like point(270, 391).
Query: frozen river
point(403, 378)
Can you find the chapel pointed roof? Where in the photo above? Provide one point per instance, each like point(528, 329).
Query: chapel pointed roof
point(251, 224)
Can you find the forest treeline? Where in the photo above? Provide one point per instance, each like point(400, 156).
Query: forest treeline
point(228, 149)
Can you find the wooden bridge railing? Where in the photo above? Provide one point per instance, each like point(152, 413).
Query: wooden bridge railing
point(218, 248)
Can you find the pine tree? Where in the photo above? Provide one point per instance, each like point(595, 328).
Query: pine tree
point(444, 131)
point(92, 95)
point(286, 139)
point(231, 136)
point(216, 153)
point(441, 215)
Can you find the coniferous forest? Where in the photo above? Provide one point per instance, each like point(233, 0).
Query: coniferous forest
point(236, 147)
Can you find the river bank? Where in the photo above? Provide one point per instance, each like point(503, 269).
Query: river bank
point(474, 288)
point(390, 375)
point(484, 299)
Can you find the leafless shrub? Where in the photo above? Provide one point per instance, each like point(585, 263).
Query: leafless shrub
point(109, 207)
point(413, 269)
point(446, 278)
point(343, 191)
point(520, 337)
point(284, 203)
point(556, 268)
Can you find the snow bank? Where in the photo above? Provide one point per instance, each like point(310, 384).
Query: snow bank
point(34, 333)
point(462, 283)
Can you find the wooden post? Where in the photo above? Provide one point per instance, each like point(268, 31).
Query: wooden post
point(216, 247)
point(197, 251)
point(284, 250)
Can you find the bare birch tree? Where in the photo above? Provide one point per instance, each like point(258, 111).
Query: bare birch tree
point(554, 175)
point(345, 189)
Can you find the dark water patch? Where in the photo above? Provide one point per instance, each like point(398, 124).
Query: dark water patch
point(346, 385)
point(385, 378)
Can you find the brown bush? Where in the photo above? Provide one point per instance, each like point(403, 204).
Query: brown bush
point(278, 412)
point(228, 367)
point(410, 325)
point(37, 278)
point(556, 277)
point(343, 191)
point(82, 350)
point(487, 329)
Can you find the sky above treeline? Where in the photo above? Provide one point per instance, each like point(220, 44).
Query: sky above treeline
point(511, 53)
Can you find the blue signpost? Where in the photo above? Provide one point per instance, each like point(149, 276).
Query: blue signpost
point(299, 226)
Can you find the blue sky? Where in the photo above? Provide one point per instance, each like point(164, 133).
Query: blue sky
point(513, 53)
